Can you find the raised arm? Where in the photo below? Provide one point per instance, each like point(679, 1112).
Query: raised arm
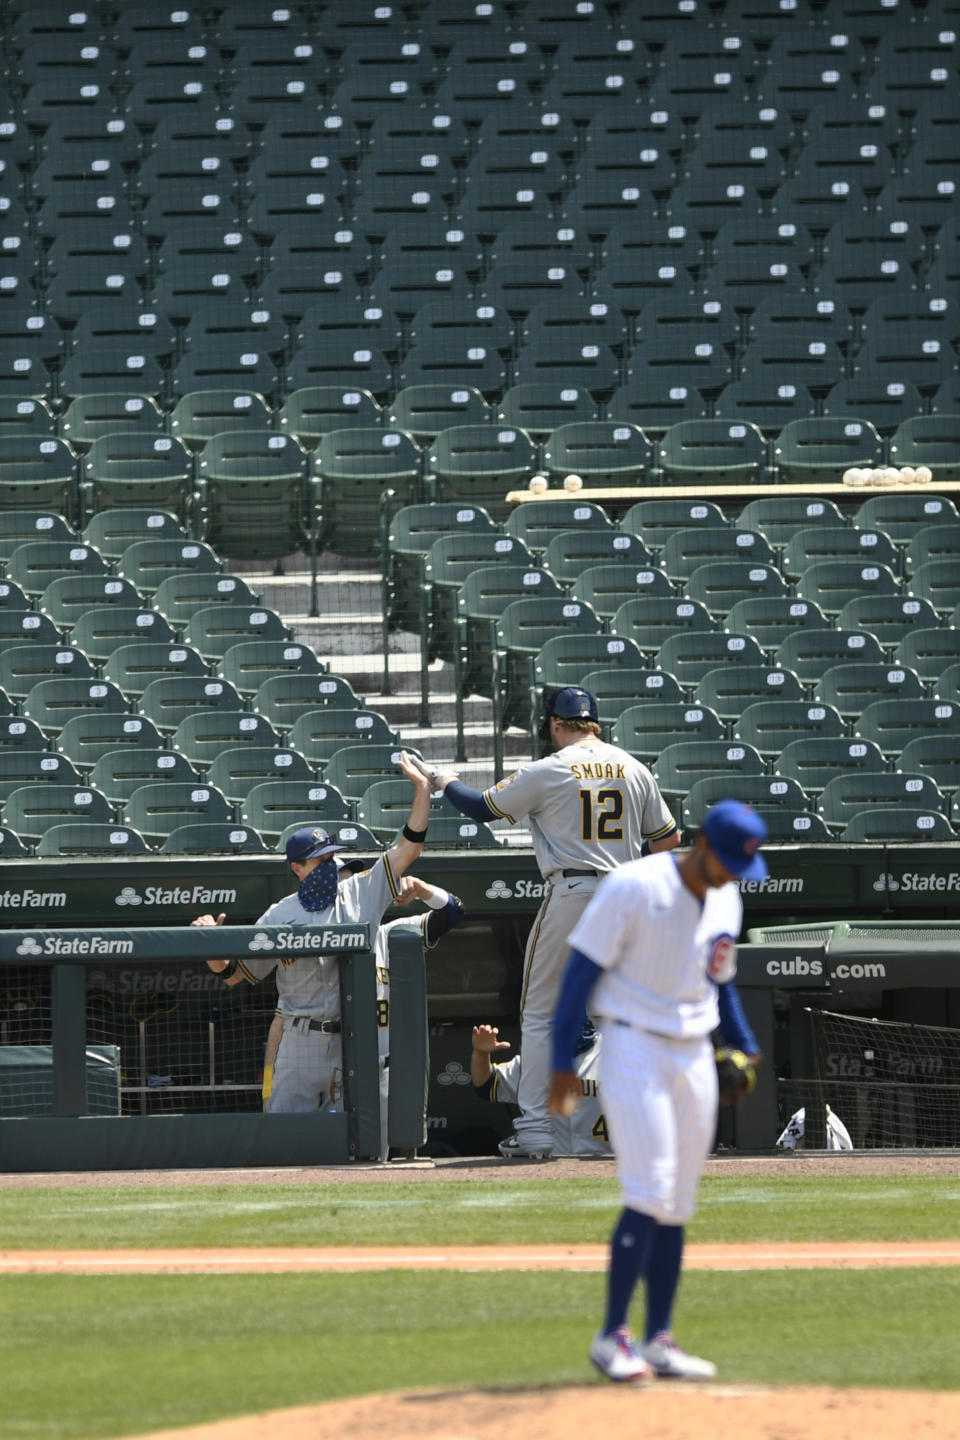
point(405, 851)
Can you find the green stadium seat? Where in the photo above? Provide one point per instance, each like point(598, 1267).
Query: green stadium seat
point(132, 469)
point(202, 736)
point(721, 584)
point(27, 626)
point(85, 737)
point(886, 401)
point(19, 734)
point(35, 563)
point(892, 724)
point(459, 832)
point(86, 838)
point(352, 468)
point(319, 733)
point(282, 699)
point(111, 531)
point(939, 541)
point(524, 626)
point(317, 410)
point(385, 804)
point(729, 689)
point(571, 552)
point(846, 795)
point(481, 600)
point(424, 410)
point(771, 725)
point(902, 515)
point(180, 596)
point(478, 464)
point(686, 549)
point(769, 619)
point(11, 846)
point(88, 417)
point(811, 652)
point(19, 526)
point(145, 563)
point(448, 563)
point(248, 663)
point(851, 687)
point(778, 517)
point(254, 500)
point(765, 793)
point(680, 765)
point(607, 587)
point(711, 452)
point(132, 667)
point(537, 522)
point(104, 628)
point(812, 543)
point(20, 415)
point(947, 684)
point(65, 600)
point(540, 406)
point(117, 773)
point(212, 838)
point(31, 810)
point(891, 618)
point(51, 703)
point(406, 541)
point(201, 414)
point(937, 581)
point(159, 807)
point(601, 452)
point(815, 760)
point(815, 448)
point(617, 687)
point(23, 665)
point(273, 805)
point(645, 730)
point(649, 621)
point(38, 472)
point(215, 629)
point(656, 520)
point(832, 583)
point(936, 755)
point(236, 771)
point(354, 768)
point(564, 659)
point(690, 654)
point(895, 825)
point(34, 767)
point(169, 699)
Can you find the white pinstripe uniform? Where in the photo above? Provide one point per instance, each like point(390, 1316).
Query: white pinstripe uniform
point(589, 806)
point(308, 1068)
point(661, 951)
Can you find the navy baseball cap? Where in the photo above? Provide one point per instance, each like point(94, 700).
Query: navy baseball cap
point(572, 703)
point(735, 833)
point(310, 840)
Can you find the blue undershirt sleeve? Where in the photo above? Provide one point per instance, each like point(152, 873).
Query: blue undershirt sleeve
point(734, 1025)
point(579, 979)
point(468, 802)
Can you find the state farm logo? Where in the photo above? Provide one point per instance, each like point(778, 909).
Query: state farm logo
point(261, 941)
point(29, 946)
point(522, 890)
point(453, 1073)
point(499, 890)
point(128, 896)
point(885, 883)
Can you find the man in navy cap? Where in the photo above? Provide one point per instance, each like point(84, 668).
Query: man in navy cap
point(590, 806)
point(307, 1073)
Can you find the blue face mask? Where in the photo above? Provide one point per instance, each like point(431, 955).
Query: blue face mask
point(318, 890)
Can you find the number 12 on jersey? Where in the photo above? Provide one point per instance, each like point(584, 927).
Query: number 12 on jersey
point(600, 814)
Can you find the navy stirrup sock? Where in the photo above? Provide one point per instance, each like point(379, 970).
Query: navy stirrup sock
point(629, 1255)
point(663, 1277)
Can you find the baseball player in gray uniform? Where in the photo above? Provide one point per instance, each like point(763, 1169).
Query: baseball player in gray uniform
point(590, 806)
point(655, 953)
point(584, 1133)
point(307, 1071)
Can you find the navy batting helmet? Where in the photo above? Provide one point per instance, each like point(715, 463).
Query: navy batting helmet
point(570, 703)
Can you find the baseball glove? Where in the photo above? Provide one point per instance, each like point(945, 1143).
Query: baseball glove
point(736, 1075)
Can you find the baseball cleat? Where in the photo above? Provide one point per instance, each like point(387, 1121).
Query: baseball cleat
point(672, 1363)
point(516, 1149)
point(618, 1356)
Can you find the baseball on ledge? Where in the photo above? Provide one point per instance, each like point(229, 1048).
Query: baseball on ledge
point(573, 483)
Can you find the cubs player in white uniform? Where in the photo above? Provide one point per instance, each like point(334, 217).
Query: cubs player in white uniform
point(655, 955)
point(584, 1133)
point(307, 1072)
point(590, 806)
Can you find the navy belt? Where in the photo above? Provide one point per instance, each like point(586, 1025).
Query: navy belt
point(569, 874)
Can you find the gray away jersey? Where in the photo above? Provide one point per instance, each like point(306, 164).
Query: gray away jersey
point(590, 806)
point(310, 984)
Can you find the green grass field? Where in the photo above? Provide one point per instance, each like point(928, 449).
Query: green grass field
point(91, 1357)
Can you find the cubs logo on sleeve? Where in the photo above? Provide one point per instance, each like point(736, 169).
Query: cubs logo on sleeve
point(722, 964)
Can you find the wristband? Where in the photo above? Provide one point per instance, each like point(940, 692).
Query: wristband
point(229, 971)
point(438, 899)
point(416, 837)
